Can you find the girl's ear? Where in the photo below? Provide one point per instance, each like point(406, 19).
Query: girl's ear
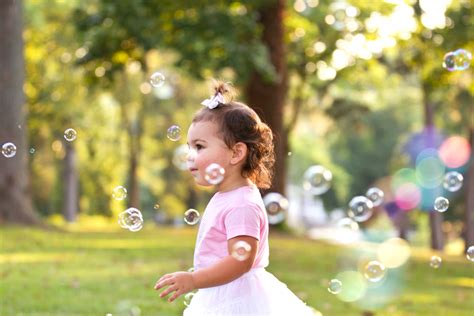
point(239, 153)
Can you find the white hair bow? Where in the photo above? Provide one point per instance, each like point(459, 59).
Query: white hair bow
point(214, 101)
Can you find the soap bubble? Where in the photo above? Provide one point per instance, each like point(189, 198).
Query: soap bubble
point(214, 174)
point(335, 286)
point(174, 133)
point(191, 216)
point(375, 195)
point(470, 253)
point(119, 193)
point(70, 134)
point(180, 157)
point(9, 150)
point(441, 204)
point(276, 206)
point(453, 181)
point(360, 208)
point(131, 219)
point(241, 250)
point(457, 60)
point(317, 180)
point(347, 223)
point(157, 79)
point(435, 262)
point(374, 271)
point(188, 297)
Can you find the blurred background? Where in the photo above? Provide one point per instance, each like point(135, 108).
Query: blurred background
point(97, 97)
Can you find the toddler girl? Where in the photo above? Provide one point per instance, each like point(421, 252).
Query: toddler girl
point(232, 251)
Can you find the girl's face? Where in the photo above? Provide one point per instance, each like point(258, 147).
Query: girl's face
point(206, 147)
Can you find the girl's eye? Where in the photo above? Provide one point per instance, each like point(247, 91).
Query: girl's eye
point(198, 146)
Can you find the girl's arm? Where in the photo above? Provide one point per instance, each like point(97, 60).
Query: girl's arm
point(224, 271)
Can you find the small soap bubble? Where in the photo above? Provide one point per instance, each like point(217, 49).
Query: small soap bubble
point(441, 204)
point(188, 297)
point(470, 253)
point(32, 150)
point(70, 134)
point(214, 174)
point(335, 286)
point(241, 250)
point(435, 262)
point(131, 219)
point(317, 180)
point(360, 208)
point(156, 206)
point(9, 150)
point(457, 60)
point(375, 195)
point(174, 133)
point(119, 193)
point(449, 62)
point(374, 271)
point(453, 181)
point(180, 157)
point(191, 269)
point(191, 216)
point(157, 79)
point(276, 206)
point(347, 223)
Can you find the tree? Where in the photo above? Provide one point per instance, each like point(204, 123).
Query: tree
point(246, 37)
point(15, 198)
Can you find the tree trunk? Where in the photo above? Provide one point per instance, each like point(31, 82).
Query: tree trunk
point(15, 198)
point(469, 223)
point(268, 98)
point(436, 218)
point(70, 196)
point(133, 186)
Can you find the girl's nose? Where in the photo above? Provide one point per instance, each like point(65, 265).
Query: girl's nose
point(191, 155)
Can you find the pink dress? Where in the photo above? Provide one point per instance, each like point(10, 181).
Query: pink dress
point(257, 292)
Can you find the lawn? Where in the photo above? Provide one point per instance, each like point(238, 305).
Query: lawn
point(112, 272)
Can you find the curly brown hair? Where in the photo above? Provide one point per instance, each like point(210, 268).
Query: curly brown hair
point(239, 123)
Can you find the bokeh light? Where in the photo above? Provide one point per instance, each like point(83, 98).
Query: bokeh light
point(393, 252)
point(354, 286)
point(455, 151)
point(429, 169)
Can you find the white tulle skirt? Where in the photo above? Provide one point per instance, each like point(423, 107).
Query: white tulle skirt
point(255, 293)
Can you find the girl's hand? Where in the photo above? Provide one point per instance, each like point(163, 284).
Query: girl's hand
point(177, 282)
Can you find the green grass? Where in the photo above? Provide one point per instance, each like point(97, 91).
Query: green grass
point(94, 273)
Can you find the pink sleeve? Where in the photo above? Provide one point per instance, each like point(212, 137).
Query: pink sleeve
point(243, 221)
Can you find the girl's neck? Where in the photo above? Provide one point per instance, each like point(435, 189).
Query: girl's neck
point(232, 185)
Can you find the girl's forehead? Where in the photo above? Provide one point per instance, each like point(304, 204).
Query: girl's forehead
point(202, 129)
